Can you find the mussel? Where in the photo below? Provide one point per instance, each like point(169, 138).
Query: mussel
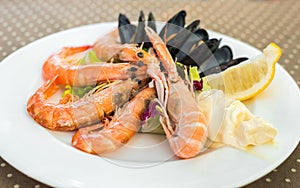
point(126, 29)
point(190, 45)
point(173, 25)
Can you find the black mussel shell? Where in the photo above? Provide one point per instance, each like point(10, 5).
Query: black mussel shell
point(201, 52)
point(222, 67)
point(151, 22)
point(174, 25)
point(192, 41)
point(188, 45)
point(220, 57)
point(126, 29)
point(176, 43)
point(140, 33)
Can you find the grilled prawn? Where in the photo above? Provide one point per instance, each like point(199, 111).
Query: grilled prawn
point(185, 125)
point(65, 65)
point(83, 112)
point(107, 137)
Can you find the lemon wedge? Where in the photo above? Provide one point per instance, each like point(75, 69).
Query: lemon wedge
point(249, 78)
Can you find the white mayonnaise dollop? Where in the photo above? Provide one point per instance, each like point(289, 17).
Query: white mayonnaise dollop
point(231, 122)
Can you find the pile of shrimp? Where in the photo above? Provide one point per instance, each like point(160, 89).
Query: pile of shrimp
point(127, 78)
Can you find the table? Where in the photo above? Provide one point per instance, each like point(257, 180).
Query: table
point(256, 22)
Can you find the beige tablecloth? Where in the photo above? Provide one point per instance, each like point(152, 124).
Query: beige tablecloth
point(257, 22)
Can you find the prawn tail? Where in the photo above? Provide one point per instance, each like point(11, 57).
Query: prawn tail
point(43, 93)
point(190, 141)
point(93, 140)
point(36, 105)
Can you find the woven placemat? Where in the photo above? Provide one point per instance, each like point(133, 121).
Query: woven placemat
point(257, 22)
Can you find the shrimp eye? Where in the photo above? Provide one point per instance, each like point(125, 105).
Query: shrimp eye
point(140, 54)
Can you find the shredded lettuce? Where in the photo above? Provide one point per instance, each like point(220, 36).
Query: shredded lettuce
point(200, 84)
point(150, 119)
point(205, 84)
point(194, 74)
point(78, 91)
point(152, 125)
point(86, 90)
point(90, 57)
point(93, 57)
point(82, 61)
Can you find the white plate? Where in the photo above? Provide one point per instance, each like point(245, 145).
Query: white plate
point(48, 157)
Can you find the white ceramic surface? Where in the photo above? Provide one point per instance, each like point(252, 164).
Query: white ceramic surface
point(48, 157)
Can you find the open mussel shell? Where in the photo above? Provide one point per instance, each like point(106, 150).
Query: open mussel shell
point(213, 44)
point(190, 45)
point(151, 21)
point(140, 33)
point(126, 29)
point(221, 55)
point(191, 42)
point(197, 56)
point(221, 67)
point(130, 33)
point(183, 40)
point(173, 25)
point(199, 53)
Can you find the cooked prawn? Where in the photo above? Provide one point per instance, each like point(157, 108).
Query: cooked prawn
point(109, 46)
point(185, 125)
point(103, 138)
point(64, 65)
point(88, 110)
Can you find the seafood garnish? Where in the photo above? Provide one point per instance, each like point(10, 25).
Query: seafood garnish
point(189, 45)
